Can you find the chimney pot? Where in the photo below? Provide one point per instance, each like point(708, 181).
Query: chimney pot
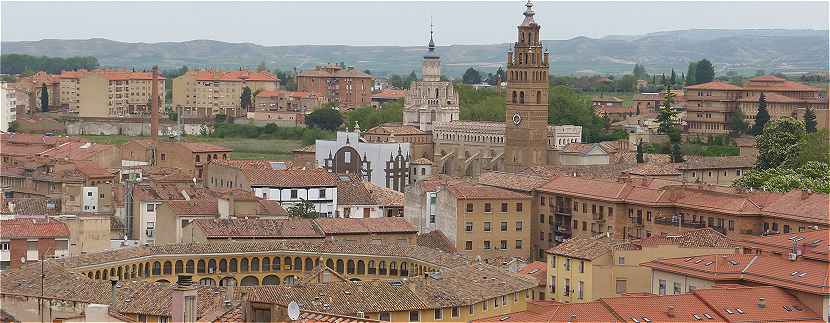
point(670, 311)
point(762, 302)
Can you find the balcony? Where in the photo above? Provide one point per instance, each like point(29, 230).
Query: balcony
point(598, 217)
point(563, 211)
point(563, 229)
point(673, 222)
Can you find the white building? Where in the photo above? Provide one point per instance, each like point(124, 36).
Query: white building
point(385, 164)
point(561, 136)
point(430, 99)
point(293, 186)
point(8, 106)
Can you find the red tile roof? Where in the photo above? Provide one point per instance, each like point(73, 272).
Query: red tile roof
point(668, 308)
point(551, 312)
point(333, 226)
point(512, 181)
point(33, 228)
point(78, 150)
point(194, 207)
point(290, 177)
point(280, 93)
point(389, 94)
point(258, 228)
point(778, 304)
point(436, 240)
point(538, 270)
point(771, 97)
point(812, 244)
point(774, 83)
point(234, 76)
point(470, 191)
point(794, 205)
point(714, 85)
point(29, 206)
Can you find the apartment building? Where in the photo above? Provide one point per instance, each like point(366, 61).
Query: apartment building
point(191, 157)
point(70, 89)
point(115, 94)
point(26, 240)
point(612, 108)
point(205, 93)
point(482, 221)
point(346, 87)
point(585, 269)
point(8, 105)
point(709, 105)
point(287, 101)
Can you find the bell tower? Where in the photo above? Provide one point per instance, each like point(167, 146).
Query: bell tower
point(527, 98)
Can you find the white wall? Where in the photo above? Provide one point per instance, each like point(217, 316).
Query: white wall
point(8, 106)
point(90, 199)
point(376, 153)
point(324, 204)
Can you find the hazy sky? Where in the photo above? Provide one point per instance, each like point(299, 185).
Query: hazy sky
point(385, 23)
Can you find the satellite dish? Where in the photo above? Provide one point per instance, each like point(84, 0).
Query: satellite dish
point(293, 311)
point(23, 260)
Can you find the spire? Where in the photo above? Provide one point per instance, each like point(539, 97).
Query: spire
point(528, 14)
point(431, 41)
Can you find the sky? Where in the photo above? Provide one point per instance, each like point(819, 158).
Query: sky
point(385, 23)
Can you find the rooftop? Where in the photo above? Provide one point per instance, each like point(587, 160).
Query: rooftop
point(33, 228)
point(597, 246)
point(537, 270)
point(812, 244)
point(512, 181)
point(436, 240)
point(290, 177)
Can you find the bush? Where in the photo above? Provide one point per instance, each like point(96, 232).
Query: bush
point(270, 131)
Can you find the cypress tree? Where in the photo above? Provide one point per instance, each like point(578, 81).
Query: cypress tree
point(44, 98)
point(762, 117)
point(640, 158)
point(690, 74)
point(673, 78)
point(810, 120)
point(704, 71)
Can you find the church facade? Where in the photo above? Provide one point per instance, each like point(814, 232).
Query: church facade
point(431, 99)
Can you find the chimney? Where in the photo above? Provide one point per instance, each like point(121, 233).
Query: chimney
point(154, 113)
point(762, 302)
point(670, 311)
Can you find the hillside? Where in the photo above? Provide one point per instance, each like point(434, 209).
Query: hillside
point(745, 51)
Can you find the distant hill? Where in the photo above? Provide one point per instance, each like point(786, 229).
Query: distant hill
point(745, 51)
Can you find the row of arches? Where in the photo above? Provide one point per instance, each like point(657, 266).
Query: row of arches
point(264, 264)
point(472, 138)
point(525, 76)
point(521, 97)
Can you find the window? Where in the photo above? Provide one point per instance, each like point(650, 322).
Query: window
point(88, 193)
point(486, 244)
point(519, 244)
point(488, 208)
point(786, 228)
point(469, 207)
point(495, 302)
point(677, 288)
point(542, 200)
point(580, 290)
point(582, 266)
point(151, 228)
point(472, 309)
point(553, 284)
point(504, 207)
point(487, 227)
point(4, 246)
point(692, 288)
point(468, 226)
point(567, 288)
point(621, 260)
point(432, 218)
point(151, 207)
point(519, 225)
point(468, 245)
point(384, 316)
point(322, 193)
point(568, 264)
point(163, 156)
point(503, 226)
point(621, 286)
point(439, 314)
point(584, 226)
point(541, 218)
point(293, 194)
point(503, 245)
point(163, 319)
point(731, 225)
point(662, 287)
point(518, 207)
point(414, 316)
point(455, 312)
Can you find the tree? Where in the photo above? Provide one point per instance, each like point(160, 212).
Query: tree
point(690, 74)
point(762, 117)
point(779, 144)
point(666, 114)
point(640, 158)
point(737, 124)
point(13, 126)
point(810, 120)
point(676, 153)
point(23, 64)
point(44, 98)
point(325, 118)
point(471, 76)
point(815, 147)
point(303, 209)
point(814, 176)
point(704, 71)
point(261, 67)
point(639, 72)
point(367, 71)
point(673, 78)
point(412, 77)
point(245, 99)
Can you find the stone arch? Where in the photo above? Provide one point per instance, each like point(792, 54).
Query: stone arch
point(276, 264)
point(538, 97)
point(207, 281)
point(120, 273)
point(298, 264)
point(361, 267)
point(90, 275)
point(289, 280)
point(168, 268)
point(382, 267)
point(223, 266)
point(514, 96)
point(330, 263)
point(163, 281)
point(309, 264)
point(97, 274)
point(106, 274)
point(133, 271)
point(270, 280)
point(228, 281)
point(393, 268)
point(233, 265)
point(521, 97)
point(404, 269)
point(156, 268)
point(188, 266)
point(350, 267)
point(200, 266)
point(244, 265)
point(112, 272)
point(211, 266)
point(339, 266)
point(249, 281)
point(179, 267)
point(141, 270)
point(255, 264)
point(371, 269)
point(287, 262)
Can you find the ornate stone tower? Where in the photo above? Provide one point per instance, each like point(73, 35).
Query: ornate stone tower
point(527, 98)
point(430, 99)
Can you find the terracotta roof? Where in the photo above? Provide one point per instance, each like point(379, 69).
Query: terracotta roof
point(812, 244)
point(395, 130)
point(512, 181)
point(335, 72)
point(606, 99)
point(290, 177)
point(699, 238)
point(654, 169)
point(684, 308)
point(200, 147)
point(351, 191)
point(243, 163)
point(597, 246)
point(258, 228)
point(795, 205)
point(78, 150)
point(775, 270)
point(714, 85)
point(778, 304)
point(91, 169)
point(281, 93)
point(471, 191)
point(458, 286)
point(194, 207)
point(270, 208)
point(551, 312)
point(389, 94)
point(584, 149)
point(384, 196)
point(30, 206)
point(771, 97)
point(31, 139)
point(436, 240)
point(233, 76)
point(774, 83)
point(700, 162)
point(33, 228)
point(537, 270)
point(334, 226)
point(590, 248)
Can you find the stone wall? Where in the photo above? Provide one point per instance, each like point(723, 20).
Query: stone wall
point(130, 128)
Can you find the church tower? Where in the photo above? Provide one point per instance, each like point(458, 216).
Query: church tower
point(527, 98)
point(430, 99)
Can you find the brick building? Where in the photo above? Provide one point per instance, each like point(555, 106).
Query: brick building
point(25, 240)
point(346, 87)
